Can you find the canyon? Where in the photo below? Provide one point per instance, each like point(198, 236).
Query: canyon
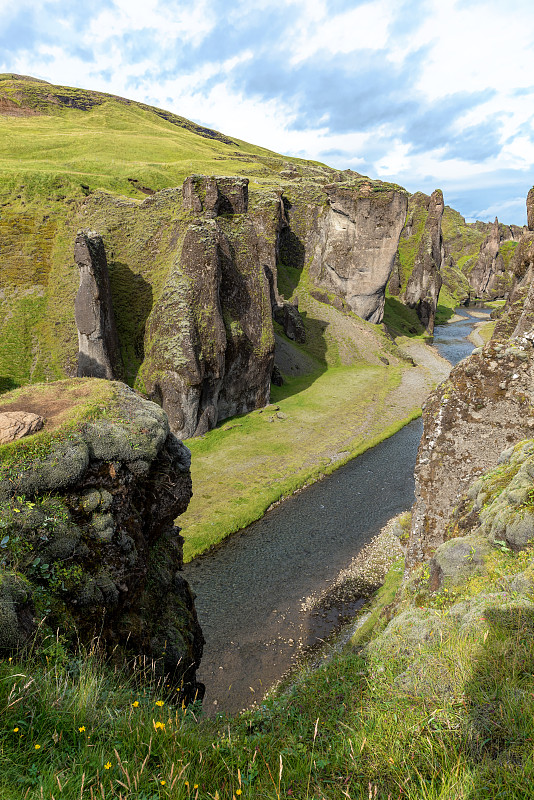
point(233, 297)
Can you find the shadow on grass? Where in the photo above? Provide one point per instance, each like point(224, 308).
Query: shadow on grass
point(401, 320)
point(385, 743)
point(132, 303)
point(300, 365)
point(7, 384)
point(500, 699)
point(444, 314)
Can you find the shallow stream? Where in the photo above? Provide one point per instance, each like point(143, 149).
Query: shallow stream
point(250, 590)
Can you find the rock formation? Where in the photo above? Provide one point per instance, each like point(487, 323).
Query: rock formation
point(210, 340)
point(491, 277)
point(488, 264)
point(355, 244)
point(98, 344)
point(424, 283)
point(94, 505)
point(216, 195)
point(16, 424)
point(485, 407)
point(530, 209)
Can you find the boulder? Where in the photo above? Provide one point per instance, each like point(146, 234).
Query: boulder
point(456, 560)
point(16, 424)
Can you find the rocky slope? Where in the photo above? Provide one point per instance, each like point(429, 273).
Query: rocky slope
point(485, 407)
point(89, 545)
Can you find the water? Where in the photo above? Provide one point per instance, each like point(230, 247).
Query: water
point(451, 340)
point(250, 590)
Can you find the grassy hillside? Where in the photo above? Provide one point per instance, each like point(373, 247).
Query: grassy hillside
point(70, 141)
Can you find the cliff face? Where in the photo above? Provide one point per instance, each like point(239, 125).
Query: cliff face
point(178, 293)
point(89, 541)
point(485, 407)
point(355, 246)
point(193, 271)
point(492, 275)
point(424, 283)
point(209, 350)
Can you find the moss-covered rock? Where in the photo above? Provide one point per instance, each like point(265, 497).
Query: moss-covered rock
point(17, 622)
point(88, 519)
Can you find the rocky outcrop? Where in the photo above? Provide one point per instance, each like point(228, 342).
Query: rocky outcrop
point(98, 343)
point(424, 283)
point(354, 244)
point(485, 406)
point(487, 278)
point(16, 424)
point(530, 209)
point(89, 540)
point(483, 409)
point(210, 339)
point(215, 195)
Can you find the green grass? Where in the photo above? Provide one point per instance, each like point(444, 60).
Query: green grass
point(401, 320)
point(242, 467)
point(486, 330)
point(62, 149)
point(348, 729)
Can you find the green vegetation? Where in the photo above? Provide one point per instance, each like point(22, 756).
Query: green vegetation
point(507, 249)
point(66, 405)
point(447, 715)
point(242, 467)
point(401, 320)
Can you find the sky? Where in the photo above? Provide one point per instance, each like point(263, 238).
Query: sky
point(426, 93)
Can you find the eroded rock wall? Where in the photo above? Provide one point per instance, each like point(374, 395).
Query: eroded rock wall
point(354, 244)
point(210, 341)
point(485, 407)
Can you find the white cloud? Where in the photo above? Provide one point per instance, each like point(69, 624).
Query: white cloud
point(364, 27)
point(171, 22)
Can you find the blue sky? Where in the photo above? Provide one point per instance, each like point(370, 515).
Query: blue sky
point(427, 93)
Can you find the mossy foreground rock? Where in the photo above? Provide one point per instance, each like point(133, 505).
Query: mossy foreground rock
point(87, 535)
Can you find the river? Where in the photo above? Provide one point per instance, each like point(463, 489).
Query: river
point(251, 589)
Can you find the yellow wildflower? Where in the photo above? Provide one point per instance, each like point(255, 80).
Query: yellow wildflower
point(238, 791)
point(15, 730)
point(160, 725)
point(163, 783)
point(135, 703)
point(81, 728)
point(160, 703)
point(37, 746)
point(108, 765)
